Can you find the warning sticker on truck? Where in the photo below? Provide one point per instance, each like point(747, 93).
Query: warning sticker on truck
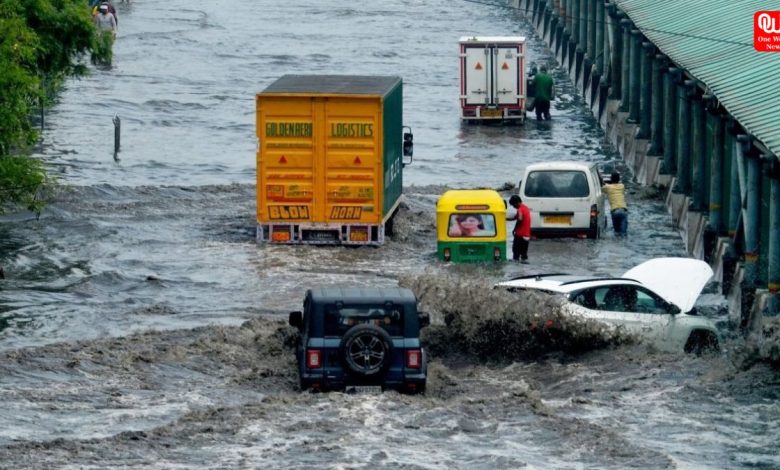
point(347, 193)
point(288, 193)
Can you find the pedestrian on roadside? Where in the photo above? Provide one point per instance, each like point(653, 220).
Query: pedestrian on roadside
point(111, 9)
point(105, 21)
point(616, 194)
point(544, 89)
point(522, 229)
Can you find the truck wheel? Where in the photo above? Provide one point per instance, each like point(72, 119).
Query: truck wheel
point(700, 342)
point(389, 227)
point(366, 349)
point(390, 224)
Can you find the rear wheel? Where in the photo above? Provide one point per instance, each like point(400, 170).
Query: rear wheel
point(700, 342)
point(594, 233)
point(390, 225)
point(366, 350)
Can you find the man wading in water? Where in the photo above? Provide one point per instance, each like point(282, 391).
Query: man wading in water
point(106, 25)
point(544, 91)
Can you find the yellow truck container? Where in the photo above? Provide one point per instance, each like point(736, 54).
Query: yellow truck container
point(329, 159)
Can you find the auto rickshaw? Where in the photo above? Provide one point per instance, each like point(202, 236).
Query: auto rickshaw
point(471, 226)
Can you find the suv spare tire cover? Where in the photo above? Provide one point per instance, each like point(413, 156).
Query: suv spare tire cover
point(366, 349)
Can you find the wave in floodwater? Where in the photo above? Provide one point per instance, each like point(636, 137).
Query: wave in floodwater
point(501, 394)
point(493, 324)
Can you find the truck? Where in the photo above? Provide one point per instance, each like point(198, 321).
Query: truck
point(492, 83)
point(330, 155)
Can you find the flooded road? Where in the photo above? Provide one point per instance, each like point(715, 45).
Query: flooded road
point(142, 327)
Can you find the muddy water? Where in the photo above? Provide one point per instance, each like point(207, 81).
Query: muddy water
point(141, 326)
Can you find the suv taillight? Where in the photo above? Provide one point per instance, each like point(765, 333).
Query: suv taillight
point(414, 358)
point(594, 211)
point(313, 358)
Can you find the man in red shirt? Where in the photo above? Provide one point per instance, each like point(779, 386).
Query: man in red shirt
point(522, 230)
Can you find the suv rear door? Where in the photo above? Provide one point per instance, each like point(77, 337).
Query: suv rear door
point(559, 198)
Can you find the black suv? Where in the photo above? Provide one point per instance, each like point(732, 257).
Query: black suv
point(360, 339)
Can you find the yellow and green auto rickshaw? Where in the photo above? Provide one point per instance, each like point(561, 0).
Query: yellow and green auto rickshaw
point(471, 226)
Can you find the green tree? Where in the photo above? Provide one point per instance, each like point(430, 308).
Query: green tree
point(42, 42)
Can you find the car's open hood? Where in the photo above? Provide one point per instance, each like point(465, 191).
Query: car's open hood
point(678, 280)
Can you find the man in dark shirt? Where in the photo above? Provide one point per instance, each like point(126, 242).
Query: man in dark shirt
point(545, 92)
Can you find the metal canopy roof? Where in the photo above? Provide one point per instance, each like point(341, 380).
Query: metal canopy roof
point(713, 41)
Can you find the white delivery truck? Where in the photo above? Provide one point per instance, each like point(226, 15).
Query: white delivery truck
point(492, 83)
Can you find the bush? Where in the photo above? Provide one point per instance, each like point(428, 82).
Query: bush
point(41, 42)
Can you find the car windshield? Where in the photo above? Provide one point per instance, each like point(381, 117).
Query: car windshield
point(558, 183)
point(339, 319)
point(472, 225)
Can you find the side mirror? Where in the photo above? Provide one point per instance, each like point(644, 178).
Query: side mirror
point(674, 309)
point(296, 320)
point(424, 319)
point(408, 144)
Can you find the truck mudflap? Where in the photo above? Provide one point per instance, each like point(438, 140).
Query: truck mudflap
point(321, 234)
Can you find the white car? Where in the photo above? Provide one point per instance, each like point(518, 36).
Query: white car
point(654, 300)
point(565, 199)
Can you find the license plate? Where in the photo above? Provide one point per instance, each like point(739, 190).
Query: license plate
point(365, 389)
point(557, 219)
point(320, 235)
point(491, 113)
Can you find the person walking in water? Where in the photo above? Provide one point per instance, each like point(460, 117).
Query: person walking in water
point(522, 230)
point(544, 92)
point(105, 20)
point(616, 194)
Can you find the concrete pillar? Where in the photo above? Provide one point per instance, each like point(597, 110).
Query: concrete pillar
point(657, 107)
point(583, 17)
point(699, 183)
point(645, 89)
point(535, 13)
point(555, 26)
point(575, 20)
point(615, 69)
point(549, 22)
point(715, 131)
point(635, 72)
point(581, 38)
point(625, 65)
point(669, 165)
point(751, 222)
point(592, 28)
point(598, 46)
point(774, 233)
point(683, 153)
point(735, 193)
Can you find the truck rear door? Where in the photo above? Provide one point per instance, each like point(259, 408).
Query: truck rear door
point(491, 74)
point(351, 161)
point(477, 72)
point(506, 70)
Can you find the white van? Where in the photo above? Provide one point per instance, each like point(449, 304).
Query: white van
point(565, 199)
